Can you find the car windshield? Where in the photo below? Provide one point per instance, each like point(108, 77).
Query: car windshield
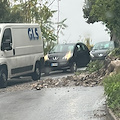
point(104, 45)
point(62, 48)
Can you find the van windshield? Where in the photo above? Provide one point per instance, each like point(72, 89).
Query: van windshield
point(61, 48)
point(104, 45)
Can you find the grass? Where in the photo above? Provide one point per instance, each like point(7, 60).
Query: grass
point(112, 91)
point(95, 66)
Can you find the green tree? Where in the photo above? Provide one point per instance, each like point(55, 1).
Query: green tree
point(87, 11)
point(15, 14)
point(8, 14)
point(106, 11)
point(47, 27)
point(27, 9)
point(4, 10)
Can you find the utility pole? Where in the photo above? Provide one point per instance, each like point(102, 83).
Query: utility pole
point(58, 22)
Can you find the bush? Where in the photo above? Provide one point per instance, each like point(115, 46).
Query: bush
point(112, 91)
point(115, 53)
point(95, 66)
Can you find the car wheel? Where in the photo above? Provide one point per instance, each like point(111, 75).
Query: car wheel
point(37, 73)
point(73, 67)
point(3, 78)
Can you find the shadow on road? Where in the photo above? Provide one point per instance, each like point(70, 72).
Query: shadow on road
point(20, 80)
point(28, 79)
point(56, 73)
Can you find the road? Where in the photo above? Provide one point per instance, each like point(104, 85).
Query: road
point(74, 103)
point(65, 103)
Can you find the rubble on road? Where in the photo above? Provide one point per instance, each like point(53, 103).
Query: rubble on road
point(84, 79)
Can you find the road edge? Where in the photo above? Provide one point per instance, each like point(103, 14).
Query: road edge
point(111, 115)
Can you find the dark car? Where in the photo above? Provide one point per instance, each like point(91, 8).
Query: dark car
point(67, 56)
point(101, 50)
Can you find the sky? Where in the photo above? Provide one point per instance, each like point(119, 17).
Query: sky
point(77, 28)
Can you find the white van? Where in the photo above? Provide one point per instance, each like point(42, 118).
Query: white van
point(21, 51)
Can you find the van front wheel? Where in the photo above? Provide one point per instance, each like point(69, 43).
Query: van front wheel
point(3, 78)
point(37, 73)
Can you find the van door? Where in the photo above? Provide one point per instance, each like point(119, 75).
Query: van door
point(7, 48)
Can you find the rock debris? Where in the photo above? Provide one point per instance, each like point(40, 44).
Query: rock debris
point(86, 80)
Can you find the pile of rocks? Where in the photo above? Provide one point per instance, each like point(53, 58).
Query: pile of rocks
point(85, 79)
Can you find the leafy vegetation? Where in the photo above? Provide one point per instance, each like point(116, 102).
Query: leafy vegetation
point(115, 53)
point(112, 91)
point(112, 86)
point(105, 11)
point(7, 14)
point(95, 66)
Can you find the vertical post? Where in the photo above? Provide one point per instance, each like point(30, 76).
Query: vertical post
point(58, 24)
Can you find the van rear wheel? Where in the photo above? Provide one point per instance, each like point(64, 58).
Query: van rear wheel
point(37, 73)
point(3, 78)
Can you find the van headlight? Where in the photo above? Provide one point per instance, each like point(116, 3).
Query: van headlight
point(67, 56)
point(46, 57)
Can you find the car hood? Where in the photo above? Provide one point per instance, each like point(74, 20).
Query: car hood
point(99, 52)
point(56, 56)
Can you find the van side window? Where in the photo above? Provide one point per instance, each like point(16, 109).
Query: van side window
point(7, 35)
point(7, 40)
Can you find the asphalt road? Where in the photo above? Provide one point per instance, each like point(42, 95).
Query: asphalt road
point(74, 103)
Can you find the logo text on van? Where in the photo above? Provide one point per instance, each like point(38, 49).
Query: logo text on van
point(33, 33)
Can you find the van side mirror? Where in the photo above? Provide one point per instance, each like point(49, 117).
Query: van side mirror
point(6, 45)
